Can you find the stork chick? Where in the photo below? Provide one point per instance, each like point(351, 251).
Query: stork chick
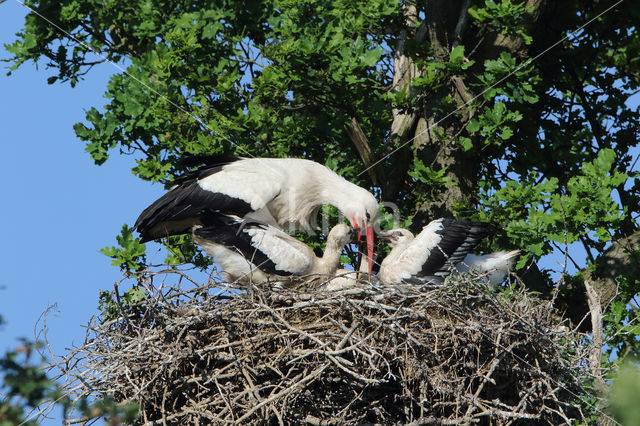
point(442, 247)
point(254, 252)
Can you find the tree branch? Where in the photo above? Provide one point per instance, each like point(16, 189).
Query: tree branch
point(462, 22)
point(619, 260)
point(595, 354)
point(404, 71)
point(361, 143)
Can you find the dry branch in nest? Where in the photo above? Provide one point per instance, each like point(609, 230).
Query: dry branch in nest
point(447, 354)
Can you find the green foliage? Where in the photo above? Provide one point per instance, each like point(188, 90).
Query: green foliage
point(437, 74)
point(624, 396)
point(181, 250)
point(495, 124)
point(505, 77)
point(587, 203)
point(111, 305)
point(620, 324)
point(502, 79)
point(504, 17)
point(203, 66)
point(435, 180)
point(536, 212)
point(389, 221)
point(114, 413)
point(130, 256)
point(25, 386)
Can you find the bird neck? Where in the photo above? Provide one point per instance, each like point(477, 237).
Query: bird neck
point(300, 203)
point(330, 260)
point(397, 251)
point(403, 244)
point(334, 193)
point(329, 188)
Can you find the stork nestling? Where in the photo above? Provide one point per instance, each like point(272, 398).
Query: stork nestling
point(254, 252)
point(283, 192)
point(493, 266)
point(441, 247)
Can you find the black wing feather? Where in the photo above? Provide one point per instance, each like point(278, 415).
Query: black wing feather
point(231, 236)
point(182, 207)
point(206, 166)
point(458, 238)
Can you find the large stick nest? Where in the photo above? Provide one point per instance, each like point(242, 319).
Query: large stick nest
point(448, 354)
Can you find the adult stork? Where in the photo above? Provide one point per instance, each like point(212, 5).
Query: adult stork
point(283, 192)
point(442, 247)
point(254, 252)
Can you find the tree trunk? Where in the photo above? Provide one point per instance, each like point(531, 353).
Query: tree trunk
point(403, 125)
point(435, 135)
point(431, 137)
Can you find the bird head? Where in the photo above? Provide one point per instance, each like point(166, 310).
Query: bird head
point(396, 237)
point(340, 235)
point(363, 215)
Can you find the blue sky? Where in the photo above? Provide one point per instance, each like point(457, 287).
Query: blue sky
point(58, 208)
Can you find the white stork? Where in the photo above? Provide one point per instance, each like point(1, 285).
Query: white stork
point(255, 252)
point(283, 192)
point(441, 247)
point(493, 266)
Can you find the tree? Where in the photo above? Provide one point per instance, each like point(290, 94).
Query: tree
point(27, 393)
point(514, 112)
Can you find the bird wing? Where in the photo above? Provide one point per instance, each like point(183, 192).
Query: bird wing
point(233, 266)
point(449, 245)
point(270, 249)
point(410, 262)
point(495, 266)
point(235, 188)
point(287, 253)
point(254, 182)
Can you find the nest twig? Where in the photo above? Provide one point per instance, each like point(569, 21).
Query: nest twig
point(447, 354)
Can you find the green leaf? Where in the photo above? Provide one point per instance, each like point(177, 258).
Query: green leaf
point(623, 398)
point(371, 57)
point(130, 256)
point(473, 126)
point(428, 175)
point(465, 143)
point(506, 133)
point(457, 54)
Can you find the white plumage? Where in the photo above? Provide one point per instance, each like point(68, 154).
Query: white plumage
point(493, 267)
point(344, 279)
point(283, 192)
point(251, 252)
point(408, 254)
point(442, 247)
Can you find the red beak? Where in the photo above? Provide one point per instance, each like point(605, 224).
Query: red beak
point(369, 232)
point(355, 226)
point(370, 247)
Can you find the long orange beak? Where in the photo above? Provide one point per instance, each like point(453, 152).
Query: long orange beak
point(369, 232)
point(370, 247)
